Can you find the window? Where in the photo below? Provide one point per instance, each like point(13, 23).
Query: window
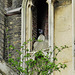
point(34, 18)
point(40, 19)
point(39, 16)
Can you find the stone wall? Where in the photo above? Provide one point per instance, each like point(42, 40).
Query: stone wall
point(63, 36)
point(16, 3)
point(14, 32)
point(13, 24)
point(4, 69)
point(2, 25)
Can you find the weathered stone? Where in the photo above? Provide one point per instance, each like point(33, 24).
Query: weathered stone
point(63, 28)
point(63, 36)
point(1, 27)
point(41, 45)
point(16, 3)
point(11, 22)
point(14, 32)
point(5, 70)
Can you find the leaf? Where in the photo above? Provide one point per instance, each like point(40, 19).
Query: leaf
point(33, 38)
point(28, 55)
point(30, 40)
point(24, 43)
point(40, 40)
point(10, 55)
point(20, 53)
point(7, 30)
point(18, 58)
point(54, 58)
point(27, 49)
point(8, 36)
point(17, 50)
point(22, 46)
point(8, 41)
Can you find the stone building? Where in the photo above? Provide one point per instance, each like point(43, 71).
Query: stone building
point(49, 20)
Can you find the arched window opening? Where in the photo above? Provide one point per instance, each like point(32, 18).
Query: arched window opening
point(40, 19)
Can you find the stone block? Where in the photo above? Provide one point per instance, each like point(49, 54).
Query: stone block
point(5, 70)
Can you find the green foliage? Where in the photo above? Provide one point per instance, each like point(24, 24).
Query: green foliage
point(41, 64)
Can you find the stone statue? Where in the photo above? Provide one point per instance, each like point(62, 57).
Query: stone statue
point(41, 45)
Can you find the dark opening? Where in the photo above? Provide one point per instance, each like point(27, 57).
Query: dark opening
point(42, 18)
point(39, 18)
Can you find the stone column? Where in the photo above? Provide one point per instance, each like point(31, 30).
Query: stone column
point(29, 24)
point(50, 24)
point(26, 27)
point(23, 33)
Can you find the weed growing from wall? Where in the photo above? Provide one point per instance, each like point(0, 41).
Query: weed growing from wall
point(39, 63)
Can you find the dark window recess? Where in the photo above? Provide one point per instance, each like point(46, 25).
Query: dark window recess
point(40, 19)
point(34, 22)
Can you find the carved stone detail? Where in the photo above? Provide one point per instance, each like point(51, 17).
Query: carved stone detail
point(41, 45)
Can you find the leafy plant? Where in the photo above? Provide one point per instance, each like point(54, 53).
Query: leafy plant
point(41, 64)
